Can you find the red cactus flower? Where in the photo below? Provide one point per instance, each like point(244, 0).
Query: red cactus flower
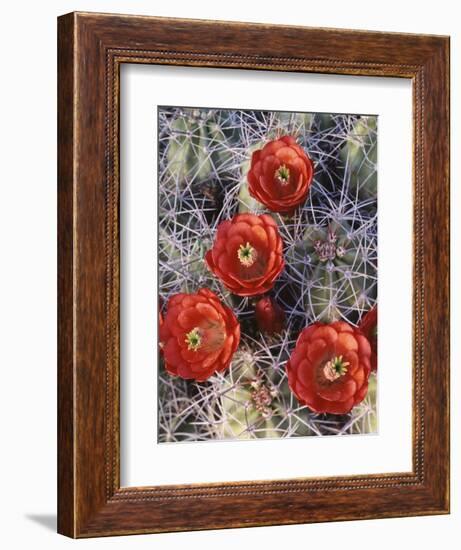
point(328, 370)
point(369, 327)
point(247, 254)
point(269, 315)
point(160, 323)
point(199, 335)
point(280, 175)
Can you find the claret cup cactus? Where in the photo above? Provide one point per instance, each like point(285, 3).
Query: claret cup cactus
point(275, 268)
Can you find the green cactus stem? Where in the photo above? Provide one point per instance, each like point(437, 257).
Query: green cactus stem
point(198, 147)
point(360, 155)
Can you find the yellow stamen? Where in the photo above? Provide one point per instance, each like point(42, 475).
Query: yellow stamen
point(335, 368)
point(283, 174)
point(246, 254)
point(193, 339)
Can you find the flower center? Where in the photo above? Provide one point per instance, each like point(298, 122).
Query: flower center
point(283, 174)
point(193, 339)
point(246, 254)
point(335, 368)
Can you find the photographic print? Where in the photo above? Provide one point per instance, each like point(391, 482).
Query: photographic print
point(267, 274)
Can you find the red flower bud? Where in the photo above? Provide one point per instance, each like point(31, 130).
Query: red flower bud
point(269, 315)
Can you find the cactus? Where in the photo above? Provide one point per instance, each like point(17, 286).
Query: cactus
point(360, 155)
point(315, 285)
point(336, 261)
point(295, 123)
point(198, 146)
point(246, 203)
point(250, 402)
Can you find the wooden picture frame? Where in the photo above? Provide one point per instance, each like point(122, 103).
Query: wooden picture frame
point(92, 48)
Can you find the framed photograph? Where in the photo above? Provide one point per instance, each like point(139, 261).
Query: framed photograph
point(240, 206)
